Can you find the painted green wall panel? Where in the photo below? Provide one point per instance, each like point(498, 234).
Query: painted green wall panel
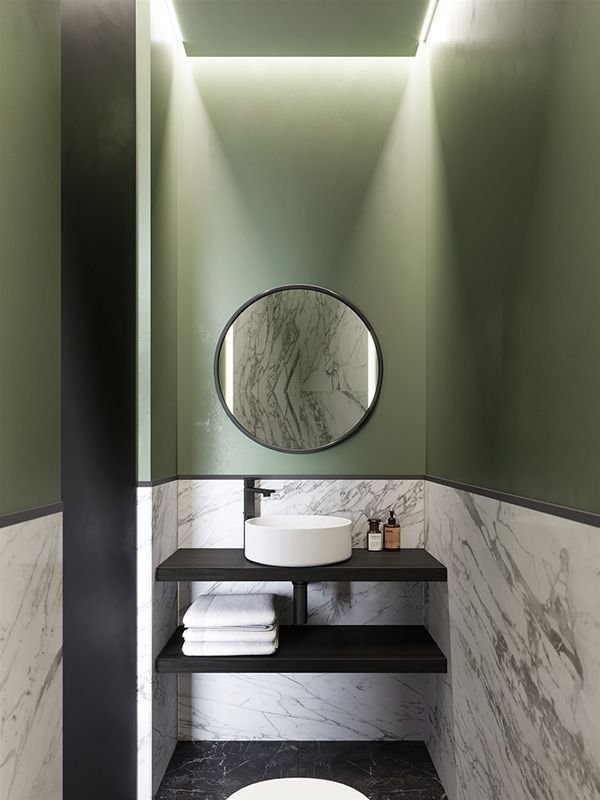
point(164, 260)
point(29, 254)
point(301, 170)
point(513, 233)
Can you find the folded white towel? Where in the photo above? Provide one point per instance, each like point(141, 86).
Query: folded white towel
point(256, 633)
point(235, 610)
point(230, 648)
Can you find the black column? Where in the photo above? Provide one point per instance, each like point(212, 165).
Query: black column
point(98, 398)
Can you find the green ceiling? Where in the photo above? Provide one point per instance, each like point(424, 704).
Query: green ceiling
point(300, 27)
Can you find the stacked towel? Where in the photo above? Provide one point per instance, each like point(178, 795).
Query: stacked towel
point(231, 625)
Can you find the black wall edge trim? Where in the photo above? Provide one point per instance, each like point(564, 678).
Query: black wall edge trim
point(157, 482)
point(565, 512)
point(16, 517)
point(297, 477)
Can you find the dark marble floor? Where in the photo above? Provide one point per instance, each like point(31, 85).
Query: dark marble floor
point(380, 770)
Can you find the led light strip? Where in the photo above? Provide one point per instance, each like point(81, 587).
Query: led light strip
point(427, 22)
point(174, 20)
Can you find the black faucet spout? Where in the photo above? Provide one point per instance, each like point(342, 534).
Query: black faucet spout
point(258, 490)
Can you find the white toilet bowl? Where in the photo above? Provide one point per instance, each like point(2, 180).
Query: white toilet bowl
point(297, 789)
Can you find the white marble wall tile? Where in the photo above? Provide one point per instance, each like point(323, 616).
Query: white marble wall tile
point(439, 709)
point(524, 680)
point(144, 590)
point(210, 514)
point(356, 499)
point(164, 689)
point(331, 603)
point(157, 619)
point(31, 659)
point(300, 706)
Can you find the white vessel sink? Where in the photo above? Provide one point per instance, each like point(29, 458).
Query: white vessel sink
point(298, 540)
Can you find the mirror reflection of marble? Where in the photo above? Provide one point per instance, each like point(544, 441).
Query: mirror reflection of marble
point(298, 368)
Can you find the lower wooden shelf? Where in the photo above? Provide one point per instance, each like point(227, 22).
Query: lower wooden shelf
point(322, 648)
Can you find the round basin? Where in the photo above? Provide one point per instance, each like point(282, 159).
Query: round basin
point(298, 540)
point(297, 789)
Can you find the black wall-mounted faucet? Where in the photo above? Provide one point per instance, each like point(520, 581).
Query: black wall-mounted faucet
point(251, 490)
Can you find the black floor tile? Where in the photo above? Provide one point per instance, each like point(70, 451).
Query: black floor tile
point(380, 770)
point(215, 770)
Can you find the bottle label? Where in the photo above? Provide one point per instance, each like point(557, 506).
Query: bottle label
point(391, 537)
point(375, 541)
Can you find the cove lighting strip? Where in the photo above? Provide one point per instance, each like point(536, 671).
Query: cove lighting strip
point(427, 22)
point(174, 21)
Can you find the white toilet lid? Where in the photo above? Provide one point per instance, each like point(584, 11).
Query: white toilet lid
point(297, 789)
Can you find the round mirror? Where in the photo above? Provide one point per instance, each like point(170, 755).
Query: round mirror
point(298, 368)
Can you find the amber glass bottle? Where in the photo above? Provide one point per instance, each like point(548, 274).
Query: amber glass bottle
point(391, 533)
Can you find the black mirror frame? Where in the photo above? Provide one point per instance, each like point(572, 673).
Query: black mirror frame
point(275, 290)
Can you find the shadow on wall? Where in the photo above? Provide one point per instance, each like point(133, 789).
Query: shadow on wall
point(489, 123)
point(513, 286)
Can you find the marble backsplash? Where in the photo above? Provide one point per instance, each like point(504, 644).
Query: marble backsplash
point(31, 652)
point(517, 717)
point(210, 512)
point(306, 706)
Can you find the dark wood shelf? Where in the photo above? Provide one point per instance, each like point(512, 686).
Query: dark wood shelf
point(195, 564)
point(322, 648)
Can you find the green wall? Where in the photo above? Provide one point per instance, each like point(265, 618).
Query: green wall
point(164, 260)
point(29, 254)
point(513, 243)
point(301, 170)
point(478, 158)
point(157, 54)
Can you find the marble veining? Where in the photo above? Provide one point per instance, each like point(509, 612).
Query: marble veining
point(299, 374)
point(305, 706)
point(521, 701)
point(31, 659)
point(144, 591)
point(380, 770)
point(211, 511)
point(164, 611)
point(356, 498)
point(321, 706)
point(157, 618)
